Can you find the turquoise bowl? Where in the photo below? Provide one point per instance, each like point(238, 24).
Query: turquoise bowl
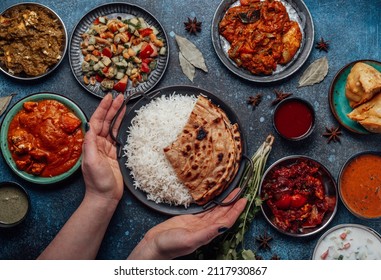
point(4, 133)
point(338, 101)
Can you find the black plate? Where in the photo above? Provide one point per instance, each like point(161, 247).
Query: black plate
point(122, 138)
point(298, 11)
point(114, 10)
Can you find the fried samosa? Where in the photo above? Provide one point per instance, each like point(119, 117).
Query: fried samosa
point(363, 82)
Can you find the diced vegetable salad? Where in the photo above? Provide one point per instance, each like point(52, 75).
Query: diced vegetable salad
point(118, 50)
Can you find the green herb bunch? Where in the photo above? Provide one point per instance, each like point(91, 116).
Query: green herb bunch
point(230, 245)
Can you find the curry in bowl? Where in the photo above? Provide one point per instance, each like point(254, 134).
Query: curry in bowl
point(33, 41)
point(44, 135)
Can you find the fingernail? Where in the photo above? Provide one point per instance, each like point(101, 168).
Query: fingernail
point(87, 126)
point(222, 229)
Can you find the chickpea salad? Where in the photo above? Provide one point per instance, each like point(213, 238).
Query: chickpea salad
point(117, 51)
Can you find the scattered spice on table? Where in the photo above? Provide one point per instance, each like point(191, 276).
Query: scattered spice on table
point(4, 102)
point(322, 45)
point(333, 134)
point(280, 95)
point(264, 240)
point(315, 72)
point(254, 101)
point(275, 257)
point(193, 26)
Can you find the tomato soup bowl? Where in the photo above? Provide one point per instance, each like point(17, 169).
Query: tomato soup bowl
point(359, 184)
point(299, 196)
point(294, 119)
point(5, 146)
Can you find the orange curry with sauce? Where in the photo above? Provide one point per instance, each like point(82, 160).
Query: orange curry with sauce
point(261, 35)
point(45, 138)
point(360, 185)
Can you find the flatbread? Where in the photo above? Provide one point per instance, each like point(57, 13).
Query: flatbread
point(206, 155)
point(363, 82)
point(369, 114)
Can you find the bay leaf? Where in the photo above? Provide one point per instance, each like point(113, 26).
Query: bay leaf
point(248, 255)
point(191, 53)
point(188, 69)
point(315, 72)
point(4, 102)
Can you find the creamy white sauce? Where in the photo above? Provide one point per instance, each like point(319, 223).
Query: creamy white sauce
point(349, 242)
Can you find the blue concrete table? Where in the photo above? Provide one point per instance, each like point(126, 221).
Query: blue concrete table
point(354, 32)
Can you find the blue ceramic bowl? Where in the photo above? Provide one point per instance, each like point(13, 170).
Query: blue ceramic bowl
point(4, 133)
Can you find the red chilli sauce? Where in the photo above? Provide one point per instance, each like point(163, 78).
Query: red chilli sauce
point(293, 119)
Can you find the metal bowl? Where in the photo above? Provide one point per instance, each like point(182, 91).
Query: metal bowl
point(366, 190)
point(329, 186)
point(14, 204)
point(4, 134)
point(31, 5)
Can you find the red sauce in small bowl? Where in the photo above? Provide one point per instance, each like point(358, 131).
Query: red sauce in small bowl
point(294, 118)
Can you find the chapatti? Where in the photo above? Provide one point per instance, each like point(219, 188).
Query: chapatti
point(206, 154)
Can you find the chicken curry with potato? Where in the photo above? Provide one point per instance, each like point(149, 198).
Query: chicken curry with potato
point(261, 35)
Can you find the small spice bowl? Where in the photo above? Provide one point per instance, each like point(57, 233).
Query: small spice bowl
point(14, 204)
point(348, 242)
point(359, 184)
point(294, 119)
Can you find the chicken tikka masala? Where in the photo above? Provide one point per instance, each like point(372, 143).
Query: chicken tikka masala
point(45, 138)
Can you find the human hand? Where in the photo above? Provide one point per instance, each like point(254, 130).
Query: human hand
point(99, 164)
point(182, 235)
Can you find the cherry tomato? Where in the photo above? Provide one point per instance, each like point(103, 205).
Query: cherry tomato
point(298, 200)
point(284, 202)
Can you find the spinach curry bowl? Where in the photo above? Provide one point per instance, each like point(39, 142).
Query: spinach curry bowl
point(33, 41)
point(41, 137)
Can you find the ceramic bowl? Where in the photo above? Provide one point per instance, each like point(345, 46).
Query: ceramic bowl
point(359, 184)
point(14, 204)
point(280, 194)
point(4, 133)
point(31, 5)
point(348, 242)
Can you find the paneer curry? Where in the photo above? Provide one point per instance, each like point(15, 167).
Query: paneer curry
point(45, 138)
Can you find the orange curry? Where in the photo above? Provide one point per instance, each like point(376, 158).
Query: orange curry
point(45, 138)
point(261, 35)
point(360, 185)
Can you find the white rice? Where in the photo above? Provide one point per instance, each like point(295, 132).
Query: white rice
point(155, 126)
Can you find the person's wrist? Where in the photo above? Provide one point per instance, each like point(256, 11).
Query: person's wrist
point(103, 203)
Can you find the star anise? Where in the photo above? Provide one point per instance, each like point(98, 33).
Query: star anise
point(254, 100)
point(258, 257)
point(264, 241)
point(280, 95)
point(333, 134)
point(322, 45)
point(275, 257)
point(193, 26)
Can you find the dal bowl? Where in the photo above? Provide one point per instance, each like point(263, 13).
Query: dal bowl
point(359, 185)
point(43, 137)
point(299, 196)
point(27, 25)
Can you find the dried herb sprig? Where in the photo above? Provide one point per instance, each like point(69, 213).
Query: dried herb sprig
point(231, 245)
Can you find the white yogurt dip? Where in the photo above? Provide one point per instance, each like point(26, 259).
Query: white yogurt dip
point(348, 242)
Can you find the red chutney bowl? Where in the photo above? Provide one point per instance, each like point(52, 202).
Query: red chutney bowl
point(294, 119)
